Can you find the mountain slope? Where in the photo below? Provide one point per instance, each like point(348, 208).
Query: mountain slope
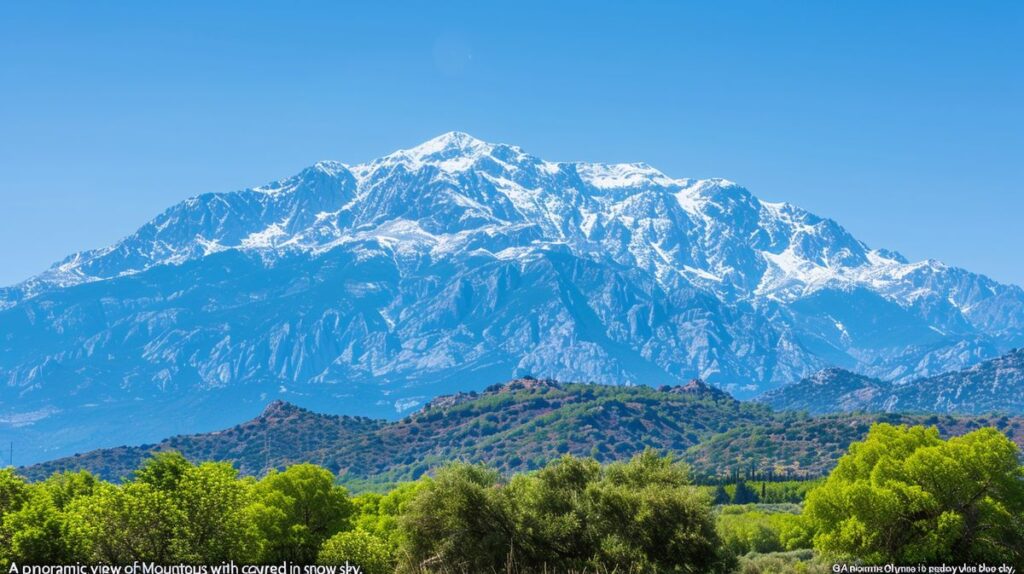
point(832, 390)
point(369, 288)
point(517, 425)
point(992, 386)
point(522, 424)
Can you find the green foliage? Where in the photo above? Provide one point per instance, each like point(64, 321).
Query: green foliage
point(213, 505)
point(37, 531)
point(13, 494)
point(746, 529)
point(39, 528)
point(744, 494)
point(514, 428)
point(380, 515)
point(163, 470)
point(361, 548)
point(297, 510)
point(170, 511)
point(777, 492)
point(720, 496)
point(123, 524)
point(573, 515)
point(649, 519)
point(790, 445)
point(771, 492)
point(905, 495)
point(522, 425)
point(550, 511)
point(13, 491)
point(458, 519)
point(794, 562)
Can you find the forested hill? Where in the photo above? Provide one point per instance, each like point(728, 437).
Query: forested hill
point(521, 425)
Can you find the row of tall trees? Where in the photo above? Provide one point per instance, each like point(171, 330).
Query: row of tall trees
point(171, 511)
point(575, 514)
point(902, 495)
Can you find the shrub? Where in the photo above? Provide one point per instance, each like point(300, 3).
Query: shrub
point(358, 548)
point(796, 562)
point(747, 529)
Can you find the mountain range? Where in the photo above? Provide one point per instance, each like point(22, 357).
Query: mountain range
point(370, 288)
point(995, 385)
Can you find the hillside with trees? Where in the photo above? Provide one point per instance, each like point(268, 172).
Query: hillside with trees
point(522, 425)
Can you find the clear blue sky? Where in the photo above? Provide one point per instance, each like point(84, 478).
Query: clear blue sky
point(902, 120)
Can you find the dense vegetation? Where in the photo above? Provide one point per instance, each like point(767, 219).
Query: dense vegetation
point(906, 495)
point(798, 445)
point(522, 425)
point(902, 495)
point(573, 515)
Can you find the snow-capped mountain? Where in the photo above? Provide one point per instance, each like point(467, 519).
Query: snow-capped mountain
point(459, 263)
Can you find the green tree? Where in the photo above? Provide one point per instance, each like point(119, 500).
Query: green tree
point(649, 519)
point(359, 548)
point(13, 494)
point(170, 511)
point(39, 528)
point(573, 515)
point(905, 495)
point(797, 562)
point(296, 510)
point(13, 491)
point(744, 494)
point(123, 524)
point(163, 470)
point(65, 487)
point(211, 500)
point(457, 521)
point(721, 496)
point(380, 515)
point(550, 513)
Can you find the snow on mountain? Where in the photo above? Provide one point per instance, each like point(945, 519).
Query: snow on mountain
point(458, 263)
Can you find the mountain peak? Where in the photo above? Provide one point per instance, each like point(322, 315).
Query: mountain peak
point(278, 409)
point(450, 144)
point(330, 167)
point(697, 386)
point(451, 151)
point(454, 138)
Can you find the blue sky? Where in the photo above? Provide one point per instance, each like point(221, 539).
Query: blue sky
point(904, 121)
